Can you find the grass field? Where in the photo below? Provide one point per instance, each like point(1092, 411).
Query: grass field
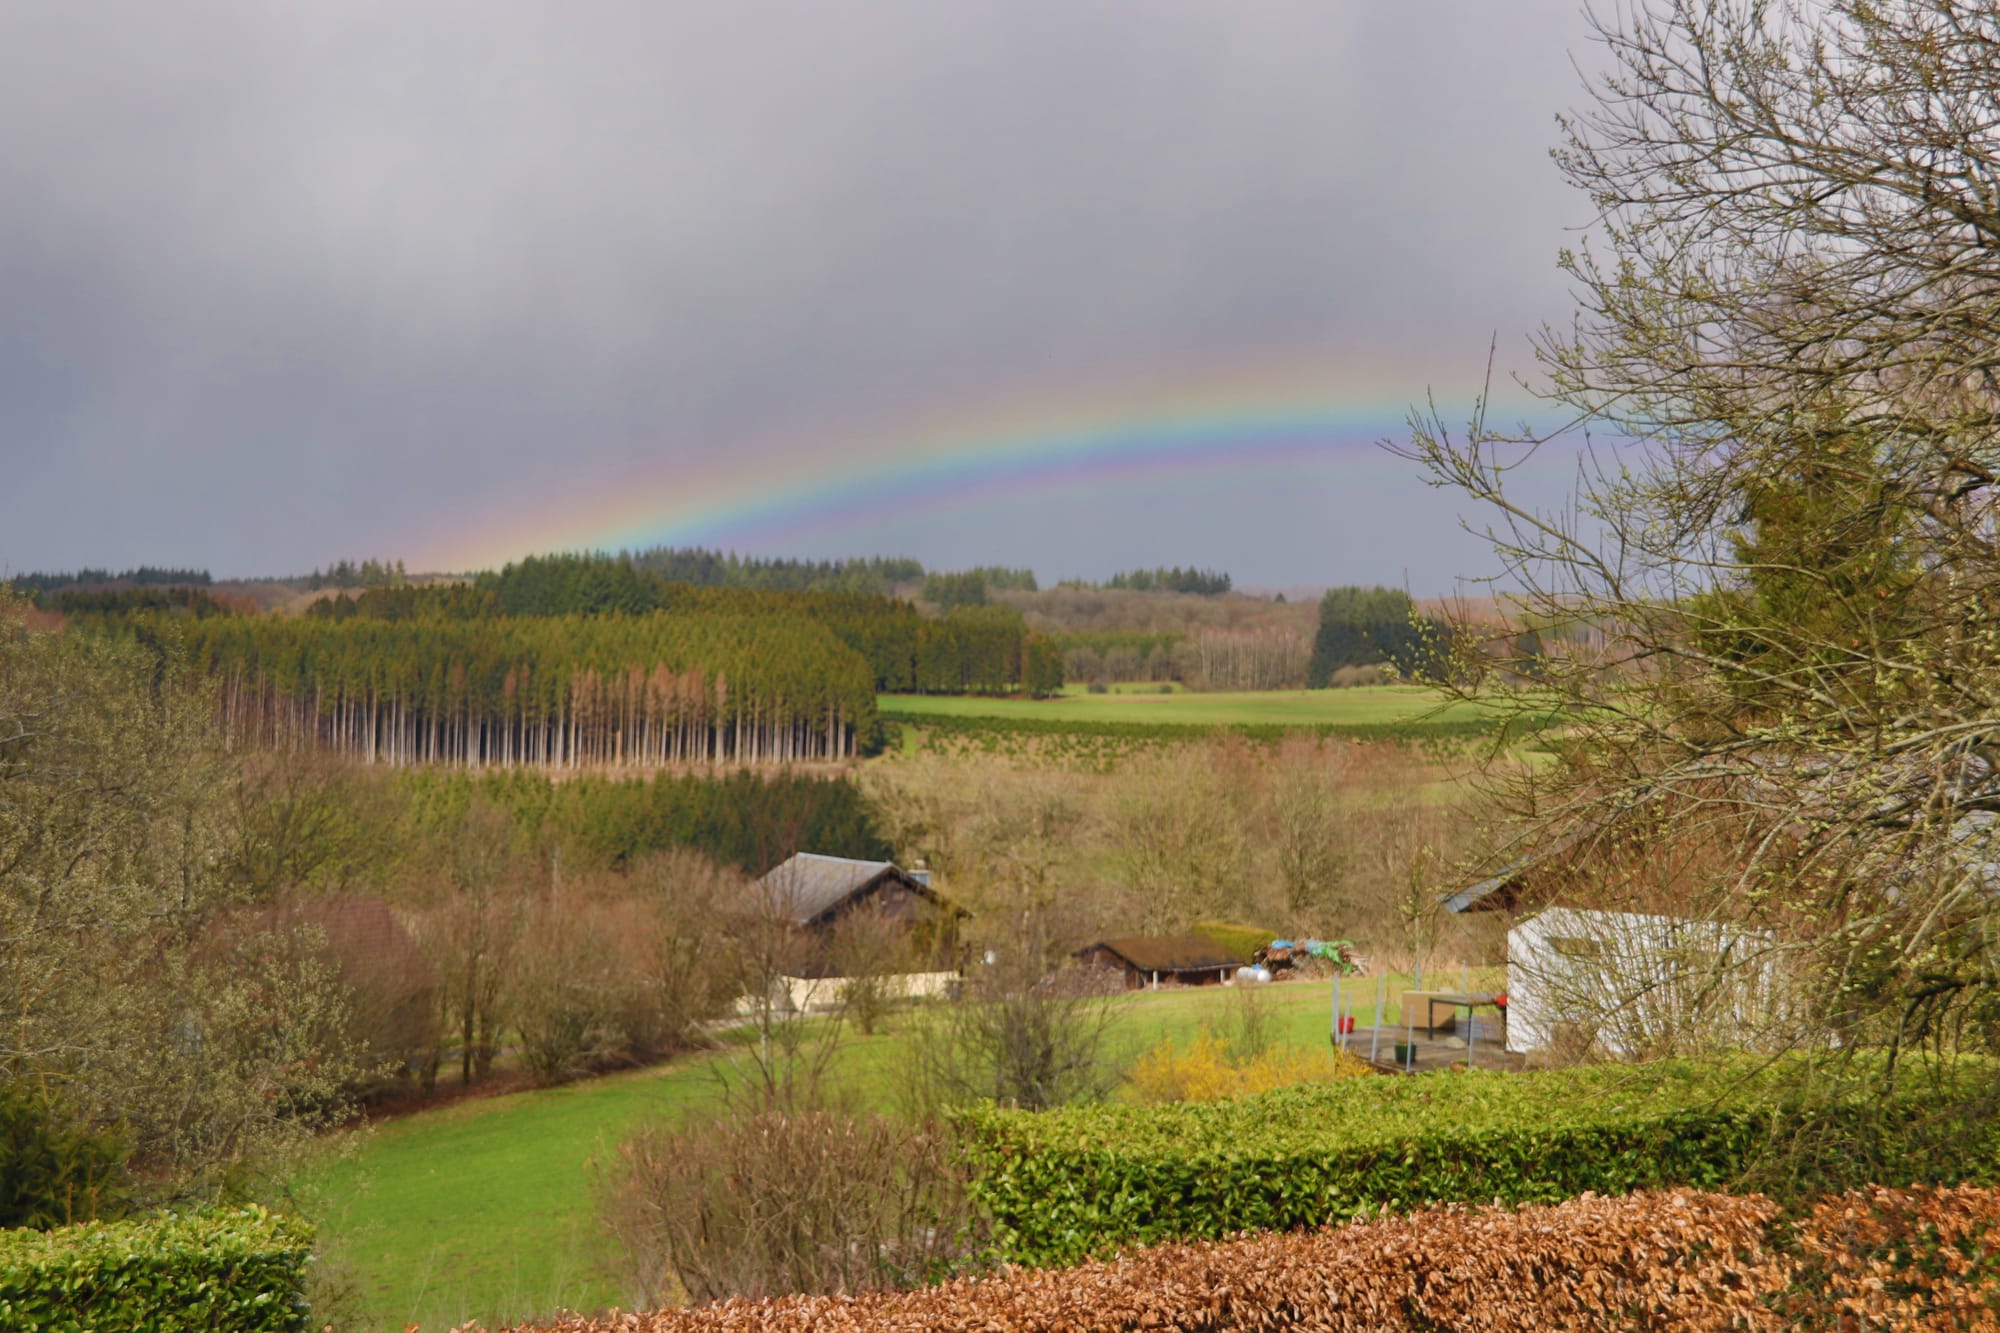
point(1367, 705)
point(484, 1209)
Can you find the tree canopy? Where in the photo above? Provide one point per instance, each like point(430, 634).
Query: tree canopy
point(1370, 626)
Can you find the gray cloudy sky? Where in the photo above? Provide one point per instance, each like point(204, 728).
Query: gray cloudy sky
point(285, 282)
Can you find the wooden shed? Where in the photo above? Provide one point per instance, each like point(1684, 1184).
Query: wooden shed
point(1149, 960)
point(817, 892)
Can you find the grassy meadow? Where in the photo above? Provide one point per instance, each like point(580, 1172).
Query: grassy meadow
point(1365, 705)
point(484, 1209)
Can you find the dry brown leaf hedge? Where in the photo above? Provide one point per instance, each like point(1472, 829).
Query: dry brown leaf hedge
point(1678, 1259)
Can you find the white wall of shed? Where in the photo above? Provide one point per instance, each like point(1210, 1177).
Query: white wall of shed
point(1635, 985)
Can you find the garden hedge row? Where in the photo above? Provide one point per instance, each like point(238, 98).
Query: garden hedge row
point(229, 1272)
point(1677, 1260)
point(1067, 1185)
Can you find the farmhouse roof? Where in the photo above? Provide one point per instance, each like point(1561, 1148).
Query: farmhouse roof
point(809, 886)
point(1169, 953)
point(1496, 893)
point(1508, 889)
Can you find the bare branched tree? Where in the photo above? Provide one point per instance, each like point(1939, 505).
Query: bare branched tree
point(470, 932)
point(1305, 808)
point(1024, 1030)
point(867, 950)
point(1181, 845)
point(133, 987)
point(774, 962)
point(1771, 616)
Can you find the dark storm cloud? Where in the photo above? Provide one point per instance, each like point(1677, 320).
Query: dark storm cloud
point(284, 282)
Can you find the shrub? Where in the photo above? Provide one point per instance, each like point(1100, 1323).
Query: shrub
point(1900, 1259)
point(563, 987)
point(53, 1171)
point(810, 1201)
point(1204, 1071)
point(1670, 1260)
point(1015, 1036)
point(1088, 1180)
point(231, 1272)
point(1348, 677)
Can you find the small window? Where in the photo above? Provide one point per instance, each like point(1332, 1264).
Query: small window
point(1576, 946)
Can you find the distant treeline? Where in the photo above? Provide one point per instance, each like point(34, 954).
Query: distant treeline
point(1205, 582)
point(971, 650)
point(177, 600)
point(352, 574)
point(970, 588)
point(703, 568)
point(144, 575)
point(1121, 655)
point(573, 662)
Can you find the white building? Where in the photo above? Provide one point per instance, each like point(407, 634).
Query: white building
point(1633, 982)
point(1627, 982)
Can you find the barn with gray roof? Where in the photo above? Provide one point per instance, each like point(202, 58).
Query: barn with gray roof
point(817, 892)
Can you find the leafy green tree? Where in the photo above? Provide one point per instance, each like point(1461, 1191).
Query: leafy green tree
point(1371, 626)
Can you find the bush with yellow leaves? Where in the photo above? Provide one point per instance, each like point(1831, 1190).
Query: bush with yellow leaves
point(1206, 1070)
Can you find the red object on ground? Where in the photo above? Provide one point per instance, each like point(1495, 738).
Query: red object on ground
point(1347, 1022)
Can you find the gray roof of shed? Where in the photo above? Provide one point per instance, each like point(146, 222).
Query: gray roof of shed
point(810, 885)
point(1503, 891)
point(1498, 893)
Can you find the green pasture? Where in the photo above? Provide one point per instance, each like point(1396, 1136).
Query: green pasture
point(484, 1209)
point(1365, 705)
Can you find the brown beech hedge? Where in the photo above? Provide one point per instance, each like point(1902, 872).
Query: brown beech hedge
point(1679, 1259)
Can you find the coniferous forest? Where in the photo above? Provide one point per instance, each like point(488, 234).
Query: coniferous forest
point(552, 692)
point(583, 661)
point(969, 650)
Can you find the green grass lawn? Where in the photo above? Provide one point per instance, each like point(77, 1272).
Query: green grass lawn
point(1362, 705)
point(484, 1209)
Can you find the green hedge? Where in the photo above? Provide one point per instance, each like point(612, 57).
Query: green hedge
point(1067, 1185)
point(231, 1272)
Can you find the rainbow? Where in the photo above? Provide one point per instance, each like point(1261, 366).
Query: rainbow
point(761, 492)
